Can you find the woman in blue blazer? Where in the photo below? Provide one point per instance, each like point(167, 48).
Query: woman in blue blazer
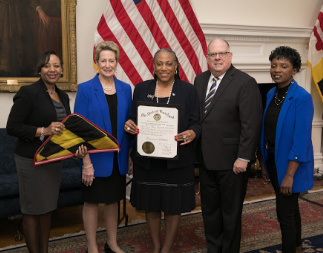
point(286, 143)
point(105, 101)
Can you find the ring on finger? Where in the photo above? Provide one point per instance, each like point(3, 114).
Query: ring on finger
point(128, 128)
point(56, 129)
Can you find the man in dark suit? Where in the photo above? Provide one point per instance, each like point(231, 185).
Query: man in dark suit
point(231, 111)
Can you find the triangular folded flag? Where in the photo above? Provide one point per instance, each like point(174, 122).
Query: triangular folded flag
point(78, 130)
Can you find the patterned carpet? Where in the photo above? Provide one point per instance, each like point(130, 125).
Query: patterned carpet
point(260, 231)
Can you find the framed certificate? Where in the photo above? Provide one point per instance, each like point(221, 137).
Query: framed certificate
point(158, 125)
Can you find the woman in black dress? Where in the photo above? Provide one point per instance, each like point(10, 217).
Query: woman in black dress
point(105, 101)
point(161, 185)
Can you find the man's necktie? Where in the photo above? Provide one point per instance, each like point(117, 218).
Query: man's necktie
point(210, 95)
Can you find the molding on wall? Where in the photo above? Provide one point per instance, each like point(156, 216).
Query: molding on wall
point(257, 33)
point(251, 46)
point(317, 124)
point(259, 67)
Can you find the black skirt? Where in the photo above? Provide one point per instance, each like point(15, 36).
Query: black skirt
point(106, 190)
point(171, 191)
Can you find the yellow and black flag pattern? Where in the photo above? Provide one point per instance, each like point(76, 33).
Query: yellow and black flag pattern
point(78, 131)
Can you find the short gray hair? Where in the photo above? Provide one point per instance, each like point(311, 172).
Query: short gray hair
point(106, 45)
point(208, 46)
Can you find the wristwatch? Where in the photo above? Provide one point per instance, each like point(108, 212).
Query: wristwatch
point(42, 136)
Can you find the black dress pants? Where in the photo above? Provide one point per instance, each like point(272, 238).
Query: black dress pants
point(287, 209)
point(222, 196)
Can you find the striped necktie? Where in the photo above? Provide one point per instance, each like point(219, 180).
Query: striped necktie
point(210, 95)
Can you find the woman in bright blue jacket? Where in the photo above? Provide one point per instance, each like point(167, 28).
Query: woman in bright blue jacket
point(105, 101)
point(286, 143)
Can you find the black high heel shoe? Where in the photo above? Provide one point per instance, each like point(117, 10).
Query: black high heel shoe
point(107, 249)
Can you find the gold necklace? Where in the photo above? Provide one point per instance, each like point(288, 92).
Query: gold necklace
point(278, 100)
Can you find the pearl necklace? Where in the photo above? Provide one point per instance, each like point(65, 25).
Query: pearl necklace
point(108, 88)
point(170, 93)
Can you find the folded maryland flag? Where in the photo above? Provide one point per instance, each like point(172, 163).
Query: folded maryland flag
point(78, 130)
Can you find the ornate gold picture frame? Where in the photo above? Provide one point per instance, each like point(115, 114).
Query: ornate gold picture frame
point(68, 81)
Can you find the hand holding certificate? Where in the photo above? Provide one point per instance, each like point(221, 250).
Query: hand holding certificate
point(158, 126)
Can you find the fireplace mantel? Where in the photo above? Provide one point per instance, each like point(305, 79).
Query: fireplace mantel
point(251, 47)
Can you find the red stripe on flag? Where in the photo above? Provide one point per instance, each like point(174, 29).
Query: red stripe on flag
point(150, 20)
point(186, 39)
point(133, 33)
point(319, 42)
point(190, 15)
point(124, 61)
point(158, 35)
point(180, 35)
point(320, 18)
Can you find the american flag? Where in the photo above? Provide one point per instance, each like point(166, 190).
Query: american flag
point(141, 27)
point(315, 53)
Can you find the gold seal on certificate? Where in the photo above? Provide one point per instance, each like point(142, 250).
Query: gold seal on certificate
point(158, 125)
point(148, 147)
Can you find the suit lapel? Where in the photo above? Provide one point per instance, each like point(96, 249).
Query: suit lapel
point(121, 108)
point(202, 94)
point(151, 91)
point(225, 83)
point(175, 92)
point(103, 104)
point(283, 112)
point(43, 90)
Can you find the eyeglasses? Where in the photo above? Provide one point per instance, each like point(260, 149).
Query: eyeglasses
point(221, 54)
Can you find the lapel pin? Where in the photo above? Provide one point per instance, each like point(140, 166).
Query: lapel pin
point(150, 96)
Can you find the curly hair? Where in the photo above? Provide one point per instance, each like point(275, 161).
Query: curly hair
point(285, 52)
